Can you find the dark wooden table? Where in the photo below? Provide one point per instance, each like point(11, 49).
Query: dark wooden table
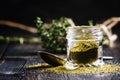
point(27, 51)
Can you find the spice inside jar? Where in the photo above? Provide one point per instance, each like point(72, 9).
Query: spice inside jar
point(84, 52)
point(83, 47)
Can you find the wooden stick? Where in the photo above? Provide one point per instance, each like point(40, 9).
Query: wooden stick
point(110, 23)
point(71, 22)
point(18, 25)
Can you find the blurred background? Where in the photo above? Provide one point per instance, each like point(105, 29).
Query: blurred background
point(25, 11)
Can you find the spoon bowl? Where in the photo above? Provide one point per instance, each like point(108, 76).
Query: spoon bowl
point(51, 58)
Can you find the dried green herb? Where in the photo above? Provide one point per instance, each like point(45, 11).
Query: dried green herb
point(53, 36)
point(20, 40)
point(84, 52)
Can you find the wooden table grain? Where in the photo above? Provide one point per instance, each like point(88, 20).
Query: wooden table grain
point(26, 51)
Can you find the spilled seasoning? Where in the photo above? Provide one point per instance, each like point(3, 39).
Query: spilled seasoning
point(107, 68)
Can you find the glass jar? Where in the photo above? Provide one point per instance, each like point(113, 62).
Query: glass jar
point(84, 46)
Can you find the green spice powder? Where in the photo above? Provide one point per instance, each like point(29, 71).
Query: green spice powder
point(107, 68)
point(84, 52)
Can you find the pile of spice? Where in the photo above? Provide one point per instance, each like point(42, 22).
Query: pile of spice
point(84, 52)
point(107, 68)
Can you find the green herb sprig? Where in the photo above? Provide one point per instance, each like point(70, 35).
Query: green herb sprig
point(53, 36)
point(20, 40)
point(90, 23)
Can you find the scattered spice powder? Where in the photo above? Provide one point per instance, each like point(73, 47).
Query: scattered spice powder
point(107, 68)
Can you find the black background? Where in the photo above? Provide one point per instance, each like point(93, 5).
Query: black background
point(25, 11)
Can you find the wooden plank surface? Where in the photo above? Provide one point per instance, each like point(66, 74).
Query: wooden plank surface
point(26, 51)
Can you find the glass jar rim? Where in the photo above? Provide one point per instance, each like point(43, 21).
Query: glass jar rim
point(84, 26)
